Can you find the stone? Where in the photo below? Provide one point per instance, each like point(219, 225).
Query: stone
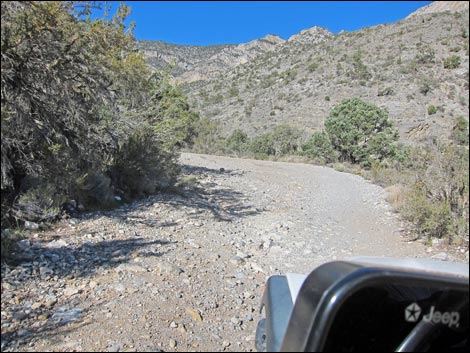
point(55, 244)
point(31, 225)
point(165, 267)
point(23, 245)
point(172, 343)
point(65, 314)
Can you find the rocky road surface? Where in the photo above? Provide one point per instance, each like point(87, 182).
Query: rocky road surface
point(185, 271)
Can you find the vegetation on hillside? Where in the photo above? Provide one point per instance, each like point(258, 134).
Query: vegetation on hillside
point(429, 183)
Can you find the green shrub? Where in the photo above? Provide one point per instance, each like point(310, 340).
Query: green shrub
point(262, 145)
point(64, 79)
point(426, 55)
point(460, 131)
point(437, 201)
point(320, 149)
point(361, 132)
point(432, 110)
point(142, 165)
point(286, 140)
point(238, 142)
point(313, 66)
point(452, 62)
point(208, 137)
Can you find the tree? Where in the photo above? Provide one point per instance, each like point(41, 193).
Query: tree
point(64, 78)
point(80, 108)
point(361, 132)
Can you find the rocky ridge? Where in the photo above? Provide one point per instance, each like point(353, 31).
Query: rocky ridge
point(399, 67)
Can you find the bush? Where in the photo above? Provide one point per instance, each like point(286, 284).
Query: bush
point(64, 79)
point(208, 137)
point(81, 114)
point(426, 55)
point(142, 165)
point(432, 110)
point(262, 145)
point(452, 62)
point(286, 140)
point(460, 131)
point(361, 132)
point(437, 202)
point(320, 149)
point(238, 142)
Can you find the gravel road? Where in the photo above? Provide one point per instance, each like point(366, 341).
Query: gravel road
point(185, 271)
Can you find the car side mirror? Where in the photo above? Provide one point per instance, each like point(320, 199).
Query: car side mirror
point(369, 305)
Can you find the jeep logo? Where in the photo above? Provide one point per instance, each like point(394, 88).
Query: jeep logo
point(412, 312)
point(450, 319)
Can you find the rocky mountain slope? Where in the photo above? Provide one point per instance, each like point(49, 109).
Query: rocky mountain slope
point(417, 69)
point(440, 6)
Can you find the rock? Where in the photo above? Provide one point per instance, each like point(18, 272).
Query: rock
point(240, 275)
point(256, 267)
point(116, 347)
point(70, 291)
point(242, 255)
point(130, 268)
point(166, 268)
point(36, 306)
point(235, 320)
point(31, 225)
point(19, 316)
point(237, 260)
point(55, 244)
point(173, 324)
point(23, 332)
point(194, 314)
point(172, 343)
point(23, 245)
point(442, 256)
point(65, 315)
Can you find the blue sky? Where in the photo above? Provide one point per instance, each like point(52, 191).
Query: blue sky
point(232, 22)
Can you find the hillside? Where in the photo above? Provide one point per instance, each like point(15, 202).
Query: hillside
point(401, 67)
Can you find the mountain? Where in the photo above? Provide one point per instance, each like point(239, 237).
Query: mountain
point(440, 6)
point(416, 68)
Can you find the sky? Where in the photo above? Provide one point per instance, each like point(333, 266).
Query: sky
point(234, 22)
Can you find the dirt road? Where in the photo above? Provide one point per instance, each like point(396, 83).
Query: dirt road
point(185, 271)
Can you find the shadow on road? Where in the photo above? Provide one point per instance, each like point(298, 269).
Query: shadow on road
point(224, 203)
point(57, 262)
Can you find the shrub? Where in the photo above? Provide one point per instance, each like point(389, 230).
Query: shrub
point(208, 138)
point(432, 110)
point(437, 202)
point(460, 131)
point(262, 145)
point(64, 79)
point(361, 132)
point(452, 62)
point(320, 149)
point(287, 139)
point(142, 165)
point(238, 141)
point(426, 55)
